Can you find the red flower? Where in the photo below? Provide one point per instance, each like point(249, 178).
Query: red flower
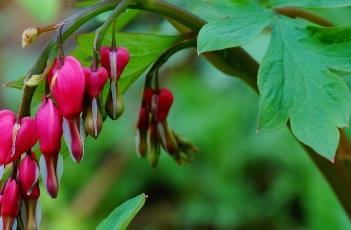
point(49, 126)
point(10, 205)
point(67, 85)
point(28, 174)
point(95, 81)
point(164, 103)
point(16, 138)
point(114, 61)
point(7, 122)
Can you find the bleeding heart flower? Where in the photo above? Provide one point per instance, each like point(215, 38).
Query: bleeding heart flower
point(95, 81)
point(10, 206)
point(25, 136)
point(67, 85)
point(147, 98)
point(28, 174)
point(114, 61)
point(16, 138)
point(49, 126)
point(164, 103)
point(7, 122)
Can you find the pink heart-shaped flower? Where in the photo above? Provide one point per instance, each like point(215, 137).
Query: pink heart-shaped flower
point(95, 81)
point(7, 122)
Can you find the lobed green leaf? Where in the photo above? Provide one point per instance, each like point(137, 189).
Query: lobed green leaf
point(239, 26)
point(296, 83)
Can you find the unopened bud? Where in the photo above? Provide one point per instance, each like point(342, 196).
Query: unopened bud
point(114, 104)
point(141, 136)
point(167, 138)
point(93, 119)
point(185, 150)
point(154, 150)
point(164, 103)
point(29, 35)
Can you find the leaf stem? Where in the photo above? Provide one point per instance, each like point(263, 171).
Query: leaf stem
point(188, 43)
point(292, 12)
point(169, 10)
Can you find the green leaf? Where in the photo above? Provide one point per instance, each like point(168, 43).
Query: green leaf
point(312, 3)
point(17, 84)
point(240, 26)
point(144, 50)
point(296, 83)
point(120, 218)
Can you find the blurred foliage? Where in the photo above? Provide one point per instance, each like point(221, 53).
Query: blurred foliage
point(43, 11)
point(238, 180)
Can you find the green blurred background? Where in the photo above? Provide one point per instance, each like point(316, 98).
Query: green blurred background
point(239, 179)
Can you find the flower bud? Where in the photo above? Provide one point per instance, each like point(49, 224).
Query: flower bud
point(185, 150)
point(154, 150)
point(141, 136)
point(49, 126)
point(7, 122)
point(95, 81)
point(114, 61)
point(28, 174)
point(10, 206)
point(167, 138)
point(164, 103)
point(147, 97)
point(114, 104)
point(67, 85)
point(93, 119)
point(29, 35)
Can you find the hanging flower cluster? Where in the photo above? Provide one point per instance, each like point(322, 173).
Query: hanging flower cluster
point(70, 109)
point(153, 130)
